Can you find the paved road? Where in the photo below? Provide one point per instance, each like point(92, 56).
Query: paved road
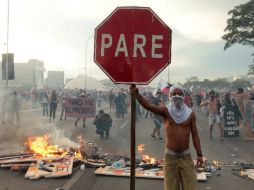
point(64, 133)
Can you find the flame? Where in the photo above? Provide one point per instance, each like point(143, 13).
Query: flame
point(40, 146)
point(149, 159)
point(216, 163)
point(141, 148)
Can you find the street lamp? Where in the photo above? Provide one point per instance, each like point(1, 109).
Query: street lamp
point(86, 60)
point(7, 47)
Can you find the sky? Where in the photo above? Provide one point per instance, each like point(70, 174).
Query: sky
point(57, 32)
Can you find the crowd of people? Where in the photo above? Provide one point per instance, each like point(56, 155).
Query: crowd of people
point(211, 103)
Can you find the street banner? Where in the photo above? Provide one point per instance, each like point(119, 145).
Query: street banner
point(9, 60)
point(248, 131)
point(80, 107)
point(231, 119)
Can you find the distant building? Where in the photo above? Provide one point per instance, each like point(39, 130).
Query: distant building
point(55, 79)
point(28, 74)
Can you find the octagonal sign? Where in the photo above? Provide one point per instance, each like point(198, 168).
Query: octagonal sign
point(132, 45)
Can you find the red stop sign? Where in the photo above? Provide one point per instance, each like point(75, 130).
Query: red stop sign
point(132, 45)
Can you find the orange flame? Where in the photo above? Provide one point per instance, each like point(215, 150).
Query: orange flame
point(216, 163)
point(149, 159)
point(40, 145)
point(141, 148)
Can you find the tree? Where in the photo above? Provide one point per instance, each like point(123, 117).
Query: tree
point(251, 69)
point(192, 79)
point(240, 83)
point(240, 26)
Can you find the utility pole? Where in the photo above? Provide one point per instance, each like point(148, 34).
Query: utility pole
point(7, 49)
point(168, 74)
point(86, 60)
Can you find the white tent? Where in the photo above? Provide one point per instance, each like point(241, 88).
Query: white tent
point(81, 81)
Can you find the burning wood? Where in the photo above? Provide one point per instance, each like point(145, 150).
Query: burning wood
point(141, 148)
point(40, 146)
point(43, 159)
point(46, 160)
point(44, 169)
point(216, 163)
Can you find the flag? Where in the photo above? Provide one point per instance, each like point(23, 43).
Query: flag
point(164, 86)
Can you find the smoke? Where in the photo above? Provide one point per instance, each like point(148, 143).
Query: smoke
point(58, 137)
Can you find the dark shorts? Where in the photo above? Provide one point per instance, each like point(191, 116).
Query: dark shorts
point(157, 123)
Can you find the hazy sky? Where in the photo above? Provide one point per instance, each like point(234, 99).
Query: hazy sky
point(57, 32)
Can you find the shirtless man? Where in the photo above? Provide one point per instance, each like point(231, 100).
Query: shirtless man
point(214, 118)
point(179, 122)
point(240, 97)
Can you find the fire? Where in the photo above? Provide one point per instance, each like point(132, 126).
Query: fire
point(216, 163)
point(149, 159)
point(40, 146)
point(141, 148)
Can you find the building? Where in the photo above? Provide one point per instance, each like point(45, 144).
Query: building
point(30, 74)
point(55, 79)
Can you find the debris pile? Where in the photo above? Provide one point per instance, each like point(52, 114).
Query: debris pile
point(146, 167)
point(42, 159)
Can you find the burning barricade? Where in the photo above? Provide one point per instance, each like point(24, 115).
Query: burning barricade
point(146, 167)
point(41, 159)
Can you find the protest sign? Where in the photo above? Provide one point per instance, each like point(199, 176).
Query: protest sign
point(231, 127)
point(80, 107)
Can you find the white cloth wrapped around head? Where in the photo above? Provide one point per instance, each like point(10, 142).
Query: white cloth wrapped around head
point(177, 109)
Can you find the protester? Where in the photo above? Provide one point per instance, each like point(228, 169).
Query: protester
point(45, 103)
point(111, 98)
point(149, 97)
point(121, 104)
point(138, 111)
point(103, 123)
point(4, 105)
point(187, 99)
point(240, 97)
point(52, 105)
point(62, 102)
point(179, 122)
point(228, 104)
point(82, 93)
point(198, 100)
point(14, 107)
point(157, 118)
point(100, 99)
point(213, 106)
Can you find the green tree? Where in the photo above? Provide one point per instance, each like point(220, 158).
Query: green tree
point(240, 83)
point(240, 27)
point(251, 69)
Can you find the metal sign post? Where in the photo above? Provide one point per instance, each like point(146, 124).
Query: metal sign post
point(133, 138)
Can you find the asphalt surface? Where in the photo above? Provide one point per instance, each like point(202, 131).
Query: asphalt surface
point(64, 132)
